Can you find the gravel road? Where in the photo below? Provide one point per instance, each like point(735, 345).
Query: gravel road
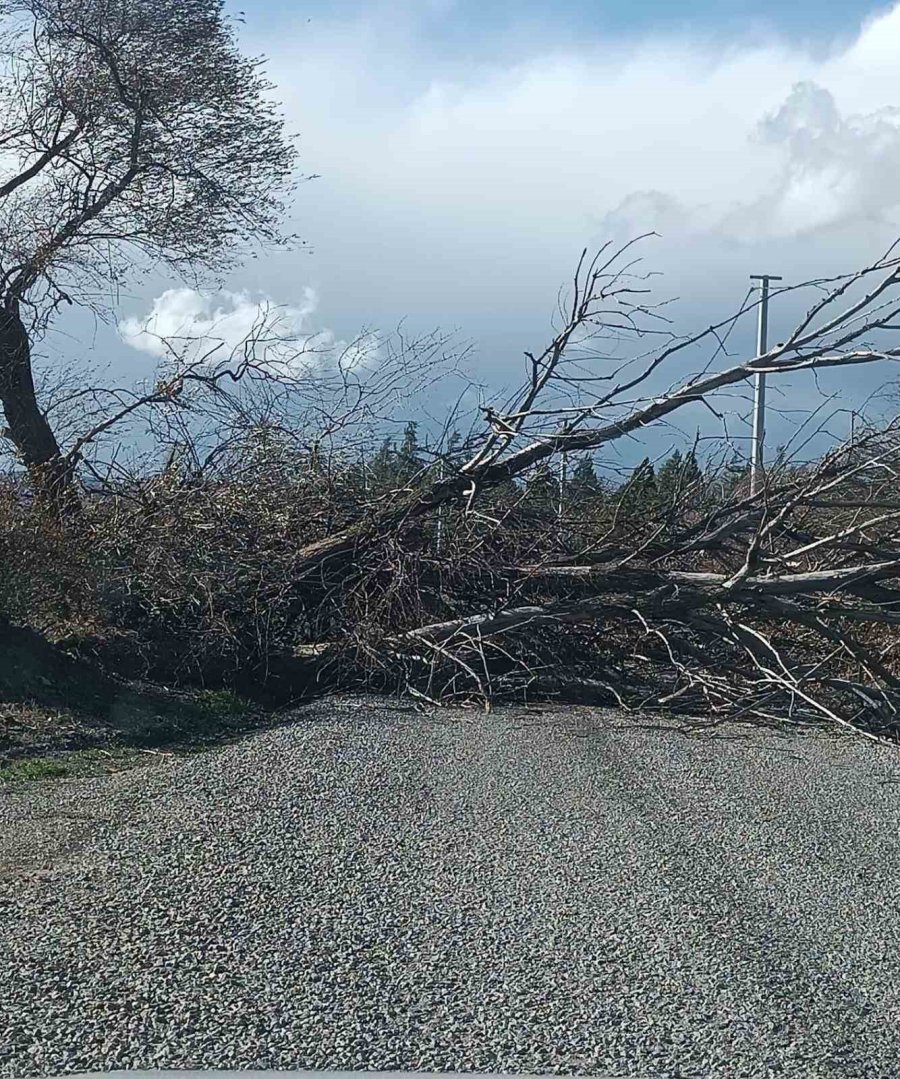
point(534, 891)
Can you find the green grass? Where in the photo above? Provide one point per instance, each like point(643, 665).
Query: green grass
point(142, 721)
point(61, 717)
point(219, 702)
point(36, 769)
point(145, 720)
point(148, 717)
point(75, 765)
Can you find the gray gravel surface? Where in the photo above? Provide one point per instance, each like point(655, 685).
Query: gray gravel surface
point(532, 891)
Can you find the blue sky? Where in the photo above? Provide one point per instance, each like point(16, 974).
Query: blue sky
point(465, 19)
point(467, 152)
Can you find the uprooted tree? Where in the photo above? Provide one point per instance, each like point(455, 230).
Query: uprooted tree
point(133, 134)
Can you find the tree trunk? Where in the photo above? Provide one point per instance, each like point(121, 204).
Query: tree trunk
point(26, 425)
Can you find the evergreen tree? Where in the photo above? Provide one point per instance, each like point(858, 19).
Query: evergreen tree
point(408, 462)
point(380, 473)
point(668, 482)
point(392, 466)
point(679, 480)
point(584, 482)
point(639, 496)
point(543, 489)
point(583, 503)
point(693, 473)
point(736, 476)
point(454, 454)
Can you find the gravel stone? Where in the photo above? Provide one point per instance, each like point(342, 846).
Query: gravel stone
point(535, 891)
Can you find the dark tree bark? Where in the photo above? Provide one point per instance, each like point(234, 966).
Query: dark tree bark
point(26, 425)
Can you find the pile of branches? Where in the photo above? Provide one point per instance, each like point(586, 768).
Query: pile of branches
point(779, 606)
point(260, 543)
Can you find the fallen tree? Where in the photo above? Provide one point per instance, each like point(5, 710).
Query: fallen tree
point(268, 547)
point(797, 623)
point(802, 562)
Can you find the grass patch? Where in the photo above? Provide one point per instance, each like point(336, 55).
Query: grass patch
point(62, 717)
point(149, 717)
point(220, 702)
point(75, 765)
point(37, 769)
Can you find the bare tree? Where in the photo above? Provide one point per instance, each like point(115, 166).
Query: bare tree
point(133, 133)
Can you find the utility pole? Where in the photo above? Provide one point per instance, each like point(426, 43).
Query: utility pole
point(439, 530)
point(758, 437)
point(563, 480)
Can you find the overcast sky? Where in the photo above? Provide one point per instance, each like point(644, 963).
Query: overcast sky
point(467, 151)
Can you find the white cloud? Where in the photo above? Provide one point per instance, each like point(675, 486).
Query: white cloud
point(831, 170)
point(834, 167)
point(458, 186)
point(187, 325)
point(191, 322)
point(755, 141)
